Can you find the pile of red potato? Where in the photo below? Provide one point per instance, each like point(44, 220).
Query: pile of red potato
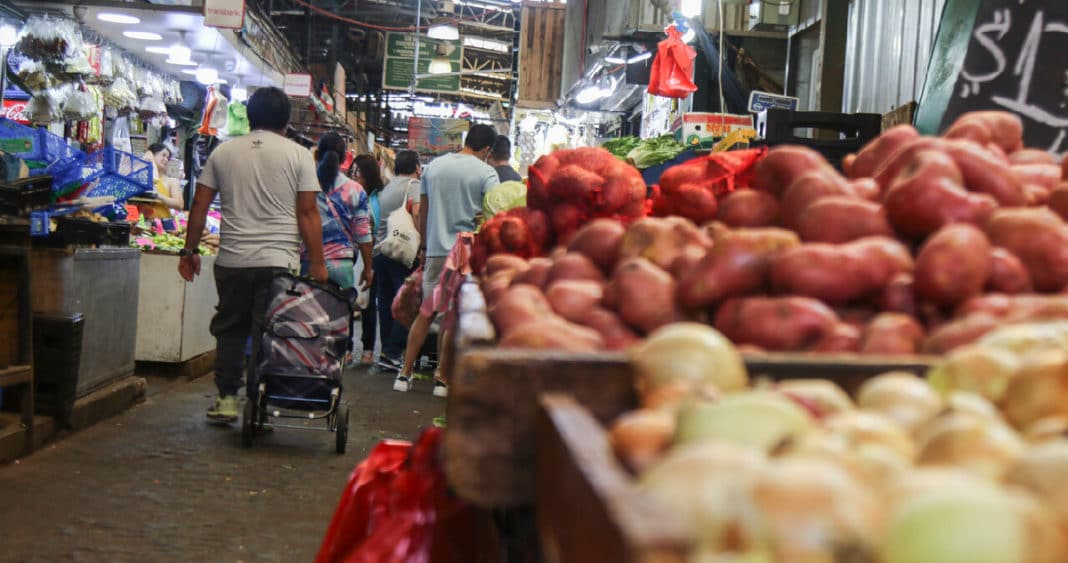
point(924, 244)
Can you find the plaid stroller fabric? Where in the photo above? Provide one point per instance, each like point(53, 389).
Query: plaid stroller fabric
point(306, 334)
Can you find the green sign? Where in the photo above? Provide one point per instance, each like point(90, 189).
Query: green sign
point(400, 58)
point(16, 145)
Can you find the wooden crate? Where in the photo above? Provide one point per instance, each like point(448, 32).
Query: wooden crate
point(541, 52)
point(493, 395)
point(588, 506)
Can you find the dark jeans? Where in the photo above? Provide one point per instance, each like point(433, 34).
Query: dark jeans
point(389, 278)
point(243, 295)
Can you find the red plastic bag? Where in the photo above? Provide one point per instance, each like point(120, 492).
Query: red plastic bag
point(396, 508)
point(672, 67)
point(405, 306)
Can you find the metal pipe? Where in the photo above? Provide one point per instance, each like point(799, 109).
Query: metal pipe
point(415, 63)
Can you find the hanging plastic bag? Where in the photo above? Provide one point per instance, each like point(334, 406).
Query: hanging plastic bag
point(405, 306)
point(396, 508)
point(673, 66)
point(237, 119)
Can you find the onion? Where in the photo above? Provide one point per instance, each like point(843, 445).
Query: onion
point(704, 484)
point(964, 402)
point(875, 464)
point(758, 419)
point(985, 371)
point(691, 352)
point(639, 437)
point(970, 523)
point(826, 397)
point(1039, 390)
point(979, 445)
point(901, 397)
point(814, 511)
point(1046, 429)
point(870, 428)
point(1042, 470)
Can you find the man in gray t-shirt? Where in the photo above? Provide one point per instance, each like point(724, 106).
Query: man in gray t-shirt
point(267, 186)
point(452, 190)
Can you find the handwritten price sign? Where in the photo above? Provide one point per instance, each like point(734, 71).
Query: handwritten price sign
point(1017, 60)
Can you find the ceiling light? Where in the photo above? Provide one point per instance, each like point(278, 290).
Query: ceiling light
point(143, 35)
point(159, 50)
point(188, 71)
point(440, 65)
point(179, 52)
point(639, 57)
point(690, 8)
point(181, 63)
point(8, 35)
point(615, 60)
point(589, 94)
point(118, 18)
point(444, 31)
point(207, 75)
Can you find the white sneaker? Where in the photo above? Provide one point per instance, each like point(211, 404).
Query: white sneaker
point(402, 383)
point(441, 389)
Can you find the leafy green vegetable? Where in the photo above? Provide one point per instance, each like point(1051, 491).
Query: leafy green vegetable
point(621, 146)
point(651, 152)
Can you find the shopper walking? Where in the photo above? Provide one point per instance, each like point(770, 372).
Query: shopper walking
point(451, 193)
point(367, 172)
point(501, 160)
point(267, 187)
point(402, 192)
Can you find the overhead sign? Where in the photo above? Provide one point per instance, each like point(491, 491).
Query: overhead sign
point(298, 85)
point(761, 101)
point(228, 14)
point(399, 62)
point(434, 136)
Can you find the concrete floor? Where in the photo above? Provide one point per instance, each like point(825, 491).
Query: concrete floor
point(158, 484)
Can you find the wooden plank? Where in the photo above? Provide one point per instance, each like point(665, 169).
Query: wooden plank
point(588, 506)
point(541, 51)
point(16, 375)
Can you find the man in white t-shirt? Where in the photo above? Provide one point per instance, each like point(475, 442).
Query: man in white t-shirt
point(267, 186)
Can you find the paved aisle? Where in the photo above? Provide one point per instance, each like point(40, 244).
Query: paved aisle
point(158, 484)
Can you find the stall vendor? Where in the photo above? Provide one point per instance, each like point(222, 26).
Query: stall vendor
point(168, 190)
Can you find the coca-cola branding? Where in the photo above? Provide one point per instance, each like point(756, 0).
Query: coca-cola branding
point(13, 110)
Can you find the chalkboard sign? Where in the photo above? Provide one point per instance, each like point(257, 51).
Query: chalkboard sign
point(1012, 55)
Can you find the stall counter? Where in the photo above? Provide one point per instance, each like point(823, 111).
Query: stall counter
point(172, 315)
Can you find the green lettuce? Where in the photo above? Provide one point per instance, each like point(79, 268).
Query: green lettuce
point(651, 152)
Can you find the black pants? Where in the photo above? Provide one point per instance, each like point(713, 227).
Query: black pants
point(367, 321)
point(389, 278)
point(243, 295)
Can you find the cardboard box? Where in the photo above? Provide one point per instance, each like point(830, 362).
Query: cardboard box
point(702, 130)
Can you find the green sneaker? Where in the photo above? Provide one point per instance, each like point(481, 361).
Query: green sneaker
point(225, 410)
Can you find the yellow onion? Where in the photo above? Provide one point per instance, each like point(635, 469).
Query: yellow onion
point(871, 428)
point(1043, 470)
point(703, 484)
point(979, 445)
point(970, 522)
point(639, 437)
point(1039, 390)
point(874, 463)
point(901, 397)
point(825, 396)
point(1046, 429)
point(693, 353)
point(963, 402)
point(758, 419)
point(812, 511)
point(985, 371)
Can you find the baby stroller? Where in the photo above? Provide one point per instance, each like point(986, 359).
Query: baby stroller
point(306, 336)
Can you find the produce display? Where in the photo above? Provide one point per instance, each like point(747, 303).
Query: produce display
point(923, 245)
point(967, 467)
point(645, 153)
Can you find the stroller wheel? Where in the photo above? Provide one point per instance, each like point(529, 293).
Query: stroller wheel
point(342, 434)
point(247, 421)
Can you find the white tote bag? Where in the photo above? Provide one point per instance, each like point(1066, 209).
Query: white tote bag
point(402, 238)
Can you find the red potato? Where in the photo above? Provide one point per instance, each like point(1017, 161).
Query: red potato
point(505, 262)
point(643, 295)
point(748, 208)
point(839, 274)
point(783, 165)
point(573, 266)
point(616, 334)
point(1039, 238)
point(1047, 176)
point(838, 219)
point(843, 338)
point(553, 333)
point(687, 262)
point(866, 188)
point(566, 218)
point(1064, 168)
point(536, 274)
point(1018, 308)
point(575, 299)
point(599, 241)
point(899, 296)
point(494, 286)
point(999, 128)
point(777, 324)
point(928, 194)
point(959, 332)
point(892, 334)
point(953, 265)
point(879, 150)
point(858, 317)
point(737, 265)
point(1058, 200)
point(662, 239)
point(986, 175)
point(519, 305)
point(809, 188)
point(1031, 156)
point(1007, 274)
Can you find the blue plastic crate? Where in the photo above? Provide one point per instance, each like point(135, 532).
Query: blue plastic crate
point(14, 134)
point(108, 172)
point(43, 151)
